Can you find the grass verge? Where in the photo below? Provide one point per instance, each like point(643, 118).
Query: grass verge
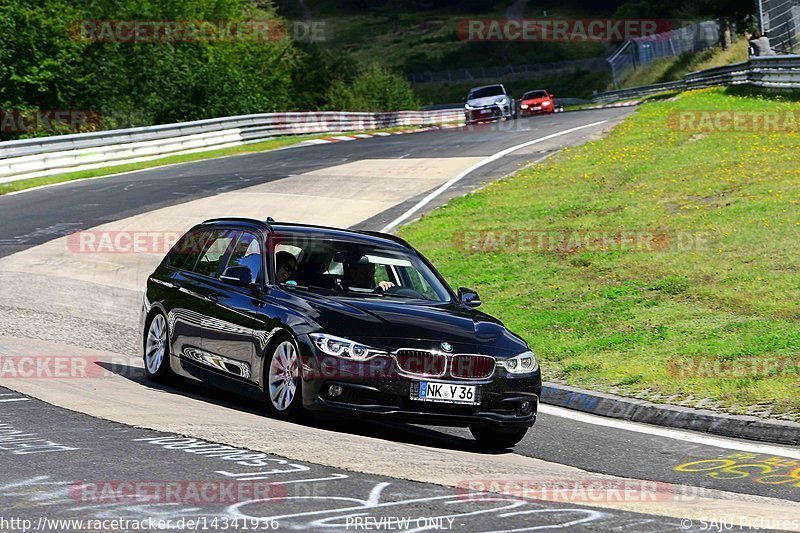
point(264, 146)
point(704, 311)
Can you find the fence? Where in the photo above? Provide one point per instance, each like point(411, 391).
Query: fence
point(771, 72)
point(642, 51)
point(30, 158)
point(505, 72)
point(780, 21)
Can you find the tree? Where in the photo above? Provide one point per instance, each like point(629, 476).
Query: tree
point(374, 89)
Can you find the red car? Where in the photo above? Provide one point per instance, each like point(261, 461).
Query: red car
point(536, 103)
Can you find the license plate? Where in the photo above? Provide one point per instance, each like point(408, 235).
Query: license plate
point(485, 111)
point(537, 108)
point(431, 391)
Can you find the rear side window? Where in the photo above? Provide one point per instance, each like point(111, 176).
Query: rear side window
point(247, 253)
point(186, 251)
point(216, 246)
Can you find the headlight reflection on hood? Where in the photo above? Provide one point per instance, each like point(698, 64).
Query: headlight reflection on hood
point(339, 347)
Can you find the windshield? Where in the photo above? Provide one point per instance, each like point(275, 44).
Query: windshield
point(494, 90)
point(348, 268)
point(534, 94)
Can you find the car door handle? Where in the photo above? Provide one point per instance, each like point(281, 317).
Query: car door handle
point(212, 297)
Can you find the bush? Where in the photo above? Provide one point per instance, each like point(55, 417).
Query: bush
point(374, 89)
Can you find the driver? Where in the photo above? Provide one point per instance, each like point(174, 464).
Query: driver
point(360, 274)
point(285, 266)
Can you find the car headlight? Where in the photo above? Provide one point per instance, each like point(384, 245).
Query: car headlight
point(524, 106)
point(504, 101)
point(546, 102)
point(467, 106)
point(339, 347)
point(524, 363)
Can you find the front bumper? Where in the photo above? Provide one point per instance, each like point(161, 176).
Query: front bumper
point(374, 389)
point(535, 110)
point(481, 114)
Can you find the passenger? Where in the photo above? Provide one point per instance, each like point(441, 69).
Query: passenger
point(285, 266)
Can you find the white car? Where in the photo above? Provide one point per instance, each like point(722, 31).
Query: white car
point(489, 102)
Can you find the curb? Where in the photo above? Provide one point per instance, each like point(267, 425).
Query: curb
point(673, 416)
point(627, 103)
point(357, 136)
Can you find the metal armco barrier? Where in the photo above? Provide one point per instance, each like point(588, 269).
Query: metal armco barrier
point(774, 72)
point(43, 156)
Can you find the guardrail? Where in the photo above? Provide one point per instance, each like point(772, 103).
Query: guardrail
point(30, 158)
point(775, 72)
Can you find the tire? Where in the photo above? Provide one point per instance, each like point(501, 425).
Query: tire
point(283, 386)
point(495, 438)
point(155, 350)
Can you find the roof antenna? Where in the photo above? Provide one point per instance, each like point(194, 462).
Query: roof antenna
point(270, 219)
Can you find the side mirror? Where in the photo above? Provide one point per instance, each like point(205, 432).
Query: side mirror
point(240, 276)
point(469, 297)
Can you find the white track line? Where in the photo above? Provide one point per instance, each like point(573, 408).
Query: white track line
point(15, 400)
point(425, 201)
point(686, 436)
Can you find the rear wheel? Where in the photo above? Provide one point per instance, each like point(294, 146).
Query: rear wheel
point(282, 384)
point(497, 438)
point(156, 350)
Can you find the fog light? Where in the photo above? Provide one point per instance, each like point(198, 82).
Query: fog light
point(525, 407)
point(334, 391)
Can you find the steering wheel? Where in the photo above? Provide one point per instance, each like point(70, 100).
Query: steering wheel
point(403, 291)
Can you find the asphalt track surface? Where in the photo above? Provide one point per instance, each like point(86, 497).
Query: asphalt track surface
point(35, 217)
point(43, 484)
point(76, 466)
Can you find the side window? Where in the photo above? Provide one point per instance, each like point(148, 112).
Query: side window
point(187, 250)
point(215, 248)
point(247, 253)
point(382, 274)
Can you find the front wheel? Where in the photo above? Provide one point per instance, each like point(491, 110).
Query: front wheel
point(497, 438)
point(156, 350)
point(283, 387)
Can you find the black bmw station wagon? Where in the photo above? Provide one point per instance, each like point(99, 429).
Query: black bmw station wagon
point(311, 318)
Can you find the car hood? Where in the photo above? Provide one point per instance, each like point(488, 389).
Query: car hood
point(486, 101)
point(394, 323)
point(534, 101)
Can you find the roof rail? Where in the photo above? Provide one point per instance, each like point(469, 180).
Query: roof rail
point(387, 236)
point(255, 222)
